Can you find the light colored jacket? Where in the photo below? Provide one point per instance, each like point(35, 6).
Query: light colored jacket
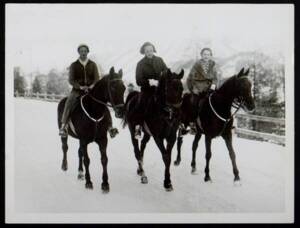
point(198, 81)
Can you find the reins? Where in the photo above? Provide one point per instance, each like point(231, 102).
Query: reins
point(112, 105)
point(235, 105)
point(220, 117)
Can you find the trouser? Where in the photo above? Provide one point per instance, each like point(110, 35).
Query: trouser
point(69, 105)
point(143, 100)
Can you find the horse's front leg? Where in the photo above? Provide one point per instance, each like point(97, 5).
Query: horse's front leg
point(228, 140)
point(138, 154)
point(207, 157)
point(102, 142)
point(80, 168)
point(86, 162)
point(194, 148)
point(140, 170)
point(179, 144)
point(166, 155)
point(64, 141)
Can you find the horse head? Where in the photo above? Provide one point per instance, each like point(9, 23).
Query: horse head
point(243, 90)
point(111, 89)
point(171, 87)
point(116, 89)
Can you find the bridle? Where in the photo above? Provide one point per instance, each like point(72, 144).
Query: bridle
point(112, 105)
point(236, 104)
point(171, 106)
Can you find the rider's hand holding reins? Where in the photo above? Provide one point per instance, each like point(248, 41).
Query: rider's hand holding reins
point(84, 88)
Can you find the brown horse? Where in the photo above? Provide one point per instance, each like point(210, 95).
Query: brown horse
point(215, 118)
point(161, 120)
point(90, 120)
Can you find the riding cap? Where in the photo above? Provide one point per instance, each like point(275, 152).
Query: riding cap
point(142, 50)
point(83, 45)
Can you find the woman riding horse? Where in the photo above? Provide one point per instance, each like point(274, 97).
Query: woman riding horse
point(149, 67)
point(215, 118)
point(83, 76)
point(202, 78)
point(166, 104)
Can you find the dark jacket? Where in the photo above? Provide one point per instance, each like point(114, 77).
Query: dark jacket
point(201, 80)
point(83, 76)
point(149, 69)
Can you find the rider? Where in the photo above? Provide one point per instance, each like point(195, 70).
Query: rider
point(149, 67)
point(83, 75)
point(202, 79)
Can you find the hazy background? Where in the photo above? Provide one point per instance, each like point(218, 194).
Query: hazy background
point(40, 37)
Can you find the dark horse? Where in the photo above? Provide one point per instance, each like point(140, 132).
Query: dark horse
point(215, 117)
point(161, 120)
point(90, 120)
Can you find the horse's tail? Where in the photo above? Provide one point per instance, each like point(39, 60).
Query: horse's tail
point(60, 110)
point(126, 111)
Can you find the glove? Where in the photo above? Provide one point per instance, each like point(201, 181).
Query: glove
point(153, 82)
point(213, 87)
point(84, 88)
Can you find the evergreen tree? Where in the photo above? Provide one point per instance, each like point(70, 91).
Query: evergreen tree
point(36, 86)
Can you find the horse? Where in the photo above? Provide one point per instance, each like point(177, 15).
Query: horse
point(215, 118)
point(160, 121)
point(90, 120)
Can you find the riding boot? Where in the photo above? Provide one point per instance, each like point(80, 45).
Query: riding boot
point(182, 130)
point(70, 103)
point(113, 131)
point(193, 128)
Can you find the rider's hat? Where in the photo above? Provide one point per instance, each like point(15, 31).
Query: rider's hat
point(83, 45)
point(142, 50)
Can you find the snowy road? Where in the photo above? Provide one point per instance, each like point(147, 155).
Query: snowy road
point(41, 185)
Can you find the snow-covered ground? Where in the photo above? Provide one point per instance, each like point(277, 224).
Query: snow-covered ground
point(41, 185)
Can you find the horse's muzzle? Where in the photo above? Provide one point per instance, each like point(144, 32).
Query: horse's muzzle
point(249, 106)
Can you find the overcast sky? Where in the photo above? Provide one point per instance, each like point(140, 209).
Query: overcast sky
point(45, 36)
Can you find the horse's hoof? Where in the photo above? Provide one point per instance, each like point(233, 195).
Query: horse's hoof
point(169, 188)
point(80, 176)
point(64, 166)
point(177, 162)
point(105, 188)
point(144, 180)
point(207, 179)
point(194, 171)
point(89, 185)
point(237, 183)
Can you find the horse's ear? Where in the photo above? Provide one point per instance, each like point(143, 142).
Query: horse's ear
point(112, 71)
point(181, 74)
point(241, 72)
point(169, 71)
point(247, 72)
point(120, 73)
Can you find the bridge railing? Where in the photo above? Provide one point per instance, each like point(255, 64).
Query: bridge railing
point(273, 136)
point(41, 96)
point(243, 132)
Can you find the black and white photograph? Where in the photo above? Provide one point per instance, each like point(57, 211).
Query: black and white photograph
point(149, 113)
